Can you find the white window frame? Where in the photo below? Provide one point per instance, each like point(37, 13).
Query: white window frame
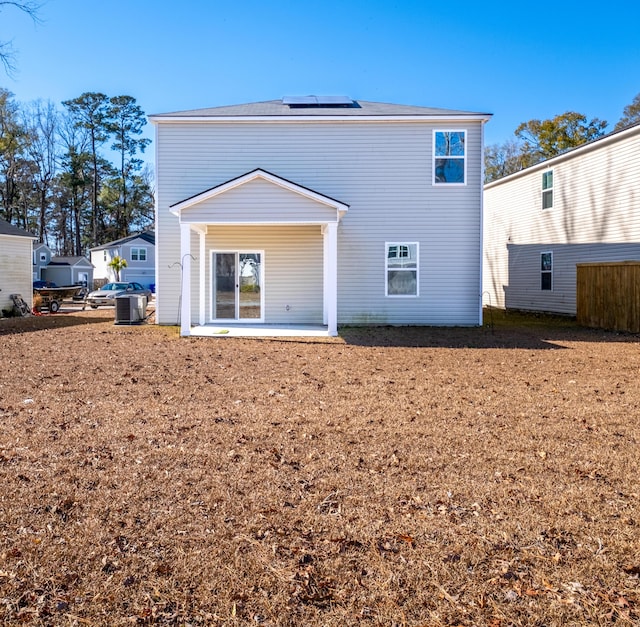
point(43, 257)
point(387, 246)
point(547, 191)
point(436, 157)
point(137, 250)
point(549, 272)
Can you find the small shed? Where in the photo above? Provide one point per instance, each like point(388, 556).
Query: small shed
point(608, 295)
point(69, 271)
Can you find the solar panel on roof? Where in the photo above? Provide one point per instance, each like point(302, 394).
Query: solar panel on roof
point(314, 101)
point(337, 100)
point(299, 100)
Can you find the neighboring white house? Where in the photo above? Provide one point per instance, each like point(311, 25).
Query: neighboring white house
point(581, 206)
point(346, 212)
point(72, 270)
point(139, 252)
point(16, 251)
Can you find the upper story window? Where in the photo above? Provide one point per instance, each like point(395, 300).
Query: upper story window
point(449, 157)
point(43, 257)
point(547, 189)
point(401, 266)
point(138, 254)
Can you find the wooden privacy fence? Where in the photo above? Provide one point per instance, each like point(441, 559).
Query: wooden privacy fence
point(608, 295)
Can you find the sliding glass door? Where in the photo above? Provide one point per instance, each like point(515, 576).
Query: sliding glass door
point(237, 286)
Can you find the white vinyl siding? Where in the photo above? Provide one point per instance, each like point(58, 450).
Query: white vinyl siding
point(595, 217)
point(380, 169)
point(16, 269)
point(258, 201)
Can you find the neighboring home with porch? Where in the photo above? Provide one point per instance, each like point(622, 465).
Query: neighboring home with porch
point(138, 250)
point(578, 207)
point(16, 253)
point(70, 270)
point(318, 211)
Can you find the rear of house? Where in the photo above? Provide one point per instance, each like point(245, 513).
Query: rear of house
point(579, 207)
point(321, 212)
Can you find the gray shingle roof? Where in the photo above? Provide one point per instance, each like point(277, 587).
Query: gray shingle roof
point(69, 261)
point(275, 108)
point(147, 236)
point(9, 229)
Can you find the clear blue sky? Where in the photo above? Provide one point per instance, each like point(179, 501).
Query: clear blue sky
point(519, 62)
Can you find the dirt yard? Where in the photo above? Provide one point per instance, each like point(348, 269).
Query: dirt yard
point(418, 477)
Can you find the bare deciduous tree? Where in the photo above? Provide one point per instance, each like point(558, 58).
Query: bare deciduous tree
point(7, 53)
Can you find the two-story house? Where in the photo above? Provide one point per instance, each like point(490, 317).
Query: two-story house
point(318, 211)
point(582, 206)
point(138, 250)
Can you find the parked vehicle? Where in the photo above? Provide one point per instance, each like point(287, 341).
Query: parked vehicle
point(108, 293)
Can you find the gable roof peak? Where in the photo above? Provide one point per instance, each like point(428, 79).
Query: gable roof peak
point(318, 106)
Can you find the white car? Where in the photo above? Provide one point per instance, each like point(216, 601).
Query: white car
point(107, 294)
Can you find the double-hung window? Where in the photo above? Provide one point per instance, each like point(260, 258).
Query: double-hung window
point(547, 189)
point(401, 269)
point(138, 254)
point(546, 271)
point(449, 157)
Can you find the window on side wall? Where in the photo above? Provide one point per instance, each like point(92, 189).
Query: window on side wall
point(449, 157)
point(401, 269)
point(138, 254)
point(546, 271)
point(547, 189)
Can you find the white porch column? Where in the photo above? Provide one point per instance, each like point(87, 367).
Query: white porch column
point(330, 265)
point(185, 280)
point(202, 313)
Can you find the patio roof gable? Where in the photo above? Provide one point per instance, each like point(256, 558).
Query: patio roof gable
point(313, 206)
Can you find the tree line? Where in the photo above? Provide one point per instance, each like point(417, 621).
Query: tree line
point(537, 140)
point(73, 176)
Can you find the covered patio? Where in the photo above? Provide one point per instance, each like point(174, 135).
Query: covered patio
point(251, 220)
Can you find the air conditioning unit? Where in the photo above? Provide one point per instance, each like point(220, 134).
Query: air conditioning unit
point(130, 309)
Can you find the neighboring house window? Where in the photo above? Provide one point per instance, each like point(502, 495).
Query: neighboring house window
point(547, 189)
point(43, 257)
point(401, 267)
point(104, 256)
point(546, 271)
point(138, 254)
point(449, 157)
